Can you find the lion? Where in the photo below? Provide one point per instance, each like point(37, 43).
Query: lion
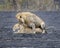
point(20, 28)
point(31, 20)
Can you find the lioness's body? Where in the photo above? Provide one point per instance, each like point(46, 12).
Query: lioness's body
point(19, 28)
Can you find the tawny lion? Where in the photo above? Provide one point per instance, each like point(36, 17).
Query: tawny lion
point(31, 20)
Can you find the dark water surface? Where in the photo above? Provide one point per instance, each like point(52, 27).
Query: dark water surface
point(51, 39)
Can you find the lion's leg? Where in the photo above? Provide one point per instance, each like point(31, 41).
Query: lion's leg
point(43, 27)
point(32, 25)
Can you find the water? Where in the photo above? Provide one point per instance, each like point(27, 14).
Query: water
point(48, 40)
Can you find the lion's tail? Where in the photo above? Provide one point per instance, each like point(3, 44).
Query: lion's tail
point(50, 27)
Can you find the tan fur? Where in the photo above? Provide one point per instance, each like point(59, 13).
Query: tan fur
point(24, 29)
point(30, 18)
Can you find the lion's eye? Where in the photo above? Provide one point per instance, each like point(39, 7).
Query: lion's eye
point(20, 17)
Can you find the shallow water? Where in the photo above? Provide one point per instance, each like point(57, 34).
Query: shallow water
point(48, 40)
